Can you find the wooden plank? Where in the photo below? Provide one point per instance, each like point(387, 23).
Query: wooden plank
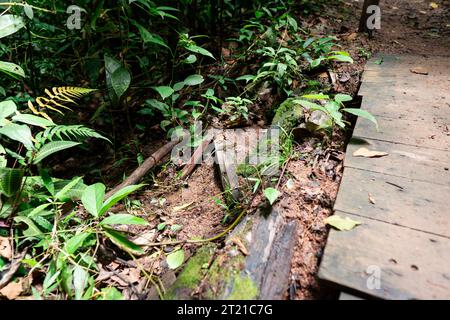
point(402, 201)
point(427, 91)
point(409, 132)
point(390, 62)
point(403, 109)
point(412, 162)
point(388, 261)
point(347, 296)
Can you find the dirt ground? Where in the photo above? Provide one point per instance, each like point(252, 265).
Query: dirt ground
point(194, 209)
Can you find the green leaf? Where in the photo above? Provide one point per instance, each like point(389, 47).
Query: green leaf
point(28, 11)
point(74, 243)
point(10, 181)
point(53, 147)
point(178, 86)
point(32, 231)
point(7, 108)
point(38, 210)
point(12, 69)
point(80, 281)
point(33, 120)
point(319, 96)
point(246, 78)
point(20, 133)
point(363, 114)
point(175, 259)
point(122, 242)
point(342, 224)
point(118, 79)
point(119, 195)
point(92, 198)
point(190, 59)
point(196, 49)
point(111, 293)
point(149, 37)
point(164, 91)
point(194, 80)
point(123, 218)
point(341, 58)
point(61, 195)
point(10, 24)
point(271, 194)
point(342, 98)
point(310, 105)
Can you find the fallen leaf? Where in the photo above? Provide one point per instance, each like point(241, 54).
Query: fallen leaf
point(175, 259)
point(14, 289)
point(371, 199)
point(237, 241)
point(342, 224)
point(419, 70)
point(5, 248)
point(182, 207)
point(434, 5)
point(366, 153)
point(352, 36)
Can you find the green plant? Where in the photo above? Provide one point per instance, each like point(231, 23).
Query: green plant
point(236, 109)
point(333, 108)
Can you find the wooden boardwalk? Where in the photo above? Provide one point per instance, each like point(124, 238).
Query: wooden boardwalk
point(402, 248)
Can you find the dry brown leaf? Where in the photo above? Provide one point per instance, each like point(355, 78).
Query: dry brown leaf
point(14, 289)
point(5, 248)
point(182, 207)
point(352, 36)
point(238, 242)
point(419, 70)
point(366, 153)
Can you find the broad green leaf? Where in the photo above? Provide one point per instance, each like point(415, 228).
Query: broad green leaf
point(120, 240)
point(12, 69)
point(28, 11)
point(200, 50)
point(38, 210)
point(164, 91)
point(342, 224)
point(271, 194)
point(74, 243)
point(341, 58)
point(20, 133)
point(190, 59)
point(310, 105)
point(92, 198)
point(246, 78)
point(110, 293)
point(53, 147)
point(33, 120)
point(10, 24)
point(7, 108)
point(80, 280)
point(319, 96)
point(119, 195)
point(123, 218)
point(175, 259)
point(343, 98)
point(118, 79)
point(194, 80)
point(149, 37)
point(10, 181)
point(178, 86)
point(32, 231)
point(61, 194)
point(363, 114)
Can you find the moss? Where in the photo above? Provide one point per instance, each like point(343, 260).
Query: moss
point(243, 289)
point(288, 115)
point(191, 275)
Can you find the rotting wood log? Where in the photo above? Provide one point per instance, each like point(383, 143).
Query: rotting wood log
point(196, 157)
point(142, 170)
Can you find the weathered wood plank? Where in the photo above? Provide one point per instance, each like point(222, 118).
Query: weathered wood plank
point(435, 111)
point(403, 62)
point(402, 201)
point(347, 296)
point(416, 133)
point(388, 261)
point(412, 162)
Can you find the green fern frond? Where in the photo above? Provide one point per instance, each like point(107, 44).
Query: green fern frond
point(77, 133)
point(57, 98)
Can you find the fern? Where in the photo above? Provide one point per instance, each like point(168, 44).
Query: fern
point(57, 98)
point(77, 133)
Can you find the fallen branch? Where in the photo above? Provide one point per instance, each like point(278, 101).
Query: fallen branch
point(142, 170)
point(196, 157)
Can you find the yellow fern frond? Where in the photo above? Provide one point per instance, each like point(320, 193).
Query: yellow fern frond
point(56, 98)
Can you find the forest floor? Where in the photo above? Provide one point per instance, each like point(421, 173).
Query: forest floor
point(193, 208)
